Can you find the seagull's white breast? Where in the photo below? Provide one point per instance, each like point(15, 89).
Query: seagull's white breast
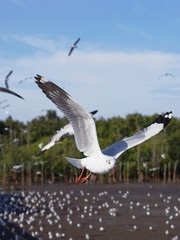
point(99, 164)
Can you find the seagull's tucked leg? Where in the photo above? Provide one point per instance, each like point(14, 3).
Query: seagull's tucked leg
point(80, 176)
point(85, 178)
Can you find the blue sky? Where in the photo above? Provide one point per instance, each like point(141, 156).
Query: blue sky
point(125, 47)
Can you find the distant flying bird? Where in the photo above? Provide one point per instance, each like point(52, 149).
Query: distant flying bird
point(6, 90)
point(96, 161)
point(66, 130)
point(166, 75)
point(7, 79)
point(23, 80)
point(73, 46)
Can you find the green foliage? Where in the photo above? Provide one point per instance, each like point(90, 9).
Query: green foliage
point(19, 143)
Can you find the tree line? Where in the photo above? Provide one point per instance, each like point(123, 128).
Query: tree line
point(154, 160)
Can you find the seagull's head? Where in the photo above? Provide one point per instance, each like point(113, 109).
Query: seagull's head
point(100, 164)
point(110, 162)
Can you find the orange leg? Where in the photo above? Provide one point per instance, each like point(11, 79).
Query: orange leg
point(80, 176)
point(85, 178)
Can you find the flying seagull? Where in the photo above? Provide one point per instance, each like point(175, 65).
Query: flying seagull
point(73, 46)
point(7, 79)
point(67, 130)
point(23, 80)
point(166, 75)
point(6, 90)
point(96, 161)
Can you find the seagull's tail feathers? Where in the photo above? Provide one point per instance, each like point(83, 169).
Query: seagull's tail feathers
point(75, 162)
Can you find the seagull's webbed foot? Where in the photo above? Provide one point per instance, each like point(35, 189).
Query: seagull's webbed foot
point(85, 178)
point(80, 176)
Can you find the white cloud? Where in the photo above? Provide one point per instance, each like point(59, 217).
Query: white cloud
point(39, 42)
point(116, 83)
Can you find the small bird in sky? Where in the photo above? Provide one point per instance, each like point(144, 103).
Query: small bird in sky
point(73, 46)
point(23, 80)
point(7, 79)
point(166, 75)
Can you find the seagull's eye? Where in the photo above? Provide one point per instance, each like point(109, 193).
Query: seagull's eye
point(108, 161)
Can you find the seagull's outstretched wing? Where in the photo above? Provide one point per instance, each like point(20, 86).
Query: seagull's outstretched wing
point(166, 75)
point(7, 79)
point(71, 49)
point(9, 91)
point(66, 130)
point(170, 74)
point(154, 128)
point(81, 121)
point(76, 42)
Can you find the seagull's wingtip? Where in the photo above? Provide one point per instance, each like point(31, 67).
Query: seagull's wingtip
point(167, 118)
point(94, 112)
point(163, 119)
point(40, 78)
point(168, 115)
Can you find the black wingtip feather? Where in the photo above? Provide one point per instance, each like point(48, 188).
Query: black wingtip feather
point(164, 119)
point(50, 88)
point(94, 112)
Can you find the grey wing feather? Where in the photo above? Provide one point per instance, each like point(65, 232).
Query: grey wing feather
point(81, 121)
point(66, 130)
point(154, 128)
